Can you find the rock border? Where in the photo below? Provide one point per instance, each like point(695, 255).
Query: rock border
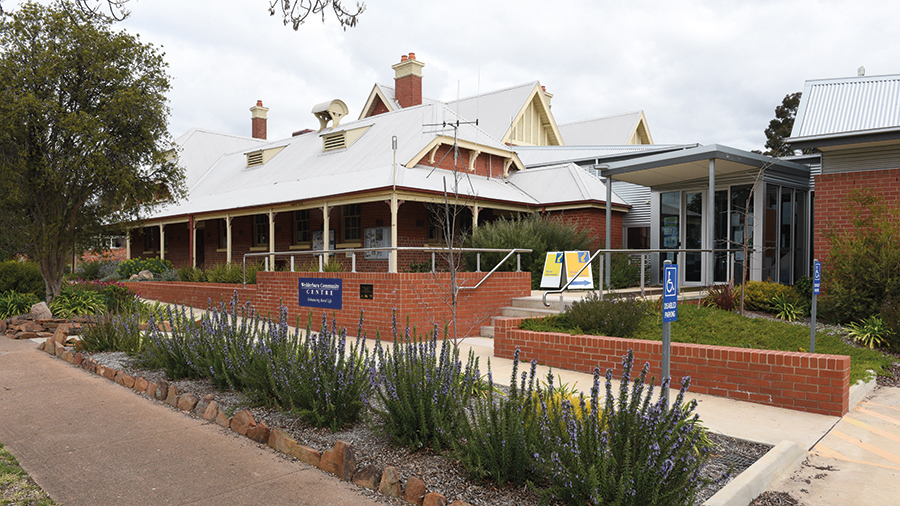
point(339, 461)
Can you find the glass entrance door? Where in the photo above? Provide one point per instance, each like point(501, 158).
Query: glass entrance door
point(693, 236)
point(670, 226)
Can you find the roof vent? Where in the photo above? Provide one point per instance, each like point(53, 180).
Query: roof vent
point(330, 111)
point(861, 71)
point(337, 140)
point(254, 159)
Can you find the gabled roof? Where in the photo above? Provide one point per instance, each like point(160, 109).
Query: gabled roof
point(616, 130)
point(198, 149)
point(387, 96)
point(847, 110)
point(302, 170)
point(563, 184)
point(498, 111)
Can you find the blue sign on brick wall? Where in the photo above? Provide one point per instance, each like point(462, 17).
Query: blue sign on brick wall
point(321, 292)
point(670, 293)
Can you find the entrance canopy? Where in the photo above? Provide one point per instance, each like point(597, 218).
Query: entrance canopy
point(691, 166)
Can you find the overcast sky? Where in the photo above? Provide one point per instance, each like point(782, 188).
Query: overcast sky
point(702, 71)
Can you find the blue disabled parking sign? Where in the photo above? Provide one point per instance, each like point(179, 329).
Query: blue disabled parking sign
point(817, 277)
point(670, 293)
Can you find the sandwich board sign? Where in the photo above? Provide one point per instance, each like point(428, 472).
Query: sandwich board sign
point(575, 260)
point(553, 267)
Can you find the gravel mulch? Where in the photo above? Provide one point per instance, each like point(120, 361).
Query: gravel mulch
point(442, 474)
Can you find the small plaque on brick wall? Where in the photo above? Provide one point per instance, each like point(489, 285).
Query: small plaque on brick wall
point(366, 291)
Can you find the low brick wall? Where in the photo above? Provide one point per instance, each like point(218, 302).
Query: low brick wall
point(801, 381)
point(192, 294)
point(421, 297)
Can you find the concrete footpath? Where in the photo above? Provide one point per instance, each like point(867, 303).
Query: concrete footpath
point(86, 441)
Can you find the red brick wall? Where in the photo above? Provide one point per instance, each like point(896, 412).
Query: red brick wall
point(417, 296)
point(831, 192)
point(595, 221)
point(485, 164)
point(193, 294)
point(800, 381)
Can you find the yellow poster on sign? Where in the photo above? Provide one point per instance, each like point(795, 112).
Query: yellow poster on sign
point(575, 260)
point(553, 265)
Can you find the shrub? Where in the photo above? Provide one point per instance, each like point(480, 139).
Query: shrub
point(632, 452)
point(88, 270)
point(113, 333)
point(759, 295)
point(14, 303)
point(890, 315)
point(722, 296)
point(499, 435)
point(787, 310)
point(191, 274)
point(870, 332)
point(422, 393)
point(612, 316)
point(133, 266)
point(625, 271)
point(540, 233)
point(862, 268)
point(803, 287)
point(225, 273)
point(21, 277)
point(318, 376)
point(77, 301)
point(225, 345)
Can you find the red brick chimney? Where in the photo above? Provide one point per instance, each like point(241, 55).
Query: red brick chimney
point(408, 81)
point(258, 119)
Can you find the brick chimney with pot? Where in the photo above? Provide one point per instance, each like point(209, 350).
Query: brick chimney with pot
point(258, 120)
point(408, 81)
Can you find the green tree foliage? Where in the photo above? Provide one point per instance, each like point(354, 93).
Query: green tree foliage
point(540, 233)
point(780, 127)
point(863, 267)
point(83, 132)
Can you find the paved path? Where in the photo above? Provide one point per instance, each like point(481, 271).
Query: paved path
point(858, 461)
point(88, 441)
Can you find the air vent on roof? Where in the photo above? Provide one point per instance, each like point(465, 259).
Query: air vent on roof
point(254, 159)
point(337, 140)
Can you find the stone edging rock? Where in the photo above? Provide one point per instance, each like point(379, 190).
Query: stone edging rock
point(339, 461)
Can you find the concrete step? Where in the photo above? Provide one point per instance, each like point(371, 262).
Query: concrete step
point(487, 331)
point(537, 303)
point(518, 312)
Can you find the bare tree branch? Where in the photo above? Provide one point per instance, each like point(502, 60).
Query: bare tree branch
point(295, 12)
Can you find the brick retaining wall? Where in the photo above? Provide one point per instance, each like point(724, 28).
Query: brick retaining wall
point(420, 296)
point(801, 381)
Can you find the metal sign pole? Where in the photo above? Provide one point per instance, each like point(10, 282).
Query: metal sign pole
point(817, 286)
point(670, 314)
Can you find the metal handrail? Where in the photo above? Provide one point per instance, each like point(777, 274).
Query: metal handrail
point(642, 252)
point(353, 251)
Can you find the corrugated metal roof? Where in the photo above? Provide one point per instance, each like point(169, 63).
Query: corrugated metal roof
point(855, 104)
point(494, 110)
point(534, 156)
point(607, 131)
point(199, 149)
point(302, 170)
point(562, 183)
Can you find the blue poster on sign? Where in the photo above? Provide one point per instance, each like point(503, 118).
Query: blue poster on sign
point(817, 278)
point(321, 292)
point(670, 293)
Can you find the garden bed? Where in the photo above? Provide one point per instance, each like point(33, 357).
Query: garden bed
point(441, 472)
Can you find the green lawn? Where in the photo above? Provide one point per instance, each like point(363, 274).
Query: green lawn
point(16, 487)
point(703, 325)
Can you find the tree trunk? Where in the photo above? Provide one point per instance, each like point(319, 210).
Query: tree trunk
point(52, 272)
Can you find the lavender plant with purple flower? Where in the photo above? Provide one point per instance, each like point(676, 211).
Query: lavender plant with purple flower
point(421, 392)
point(636, 452)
